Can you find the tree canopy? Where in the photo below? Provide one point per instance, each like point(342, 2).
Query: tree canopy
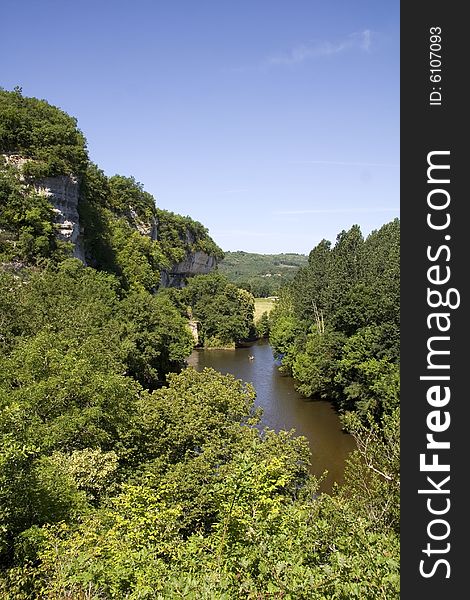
point(225, 313)
point(336, 327)
point(37, 130)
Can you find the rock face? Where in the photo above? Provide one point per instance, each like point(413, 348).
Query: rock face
point(15, 159)
point(193, 327)
point(149, 229)
point(63, 192)
point(195, 263)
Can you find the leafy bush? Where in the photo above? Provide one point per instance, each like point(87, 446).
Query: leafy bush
point(225, 312)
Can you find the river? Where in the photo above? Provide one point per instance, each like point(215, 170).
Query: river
point(283, 407)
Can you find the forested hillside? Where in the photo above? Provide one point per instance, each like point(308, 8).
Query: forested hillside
point(261, 274)
point(124, 474)
point(54, 200)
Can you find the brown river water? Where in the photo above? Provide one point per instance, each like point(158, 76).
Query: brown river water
point(283, 407)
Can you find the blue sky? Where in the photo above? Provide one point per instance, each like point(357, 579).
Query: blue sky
point(274, 123)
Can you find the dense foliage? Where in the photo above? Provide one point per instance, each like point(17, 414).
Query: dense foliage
point(261, 274)
point(117, 216)
point(124, 475)
point(223, 311)
point(34, 129)
point(111, 490)
point(336, 327)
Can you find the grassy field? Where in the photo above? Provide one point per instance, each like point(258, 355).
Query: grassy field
point(263, 305)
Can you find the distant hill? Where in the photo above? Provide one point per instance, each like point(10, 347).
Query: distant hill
point(261, 274)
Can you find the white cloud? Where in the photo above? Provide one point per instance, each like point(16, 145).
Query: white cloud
point(365, 39)
point(305, 52)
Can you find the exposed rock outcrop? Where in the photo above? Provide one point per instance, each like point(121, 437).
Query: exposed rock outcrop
point(193, 327)
point(63, 192)
point(16, 160)
point(147, 228)
point(195, 263)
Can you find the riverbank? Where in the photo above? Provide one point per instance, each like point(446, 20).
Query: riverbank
point(283, 407)
point(262, 306)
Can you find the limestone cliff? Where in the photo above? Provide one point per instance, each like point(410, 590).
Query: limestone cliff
point(199, 254)
point(195, 263)
point(184, 243)
point(111, 223)
point(63, 192)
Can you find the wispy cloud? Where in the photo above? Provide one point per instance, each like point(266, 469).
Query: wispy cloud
point(334, 211)
point(312, 50)
point(303, 52)
point(366, 40)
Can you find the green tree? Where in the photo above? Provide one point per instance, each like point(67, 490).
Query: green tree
point(129, 198)
point(27, 228)
point(225, 312)
point(372, 475)
point(37, 130)
point(368, 370)
point(156, 337)
point(314, 369)
point(263, 325)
